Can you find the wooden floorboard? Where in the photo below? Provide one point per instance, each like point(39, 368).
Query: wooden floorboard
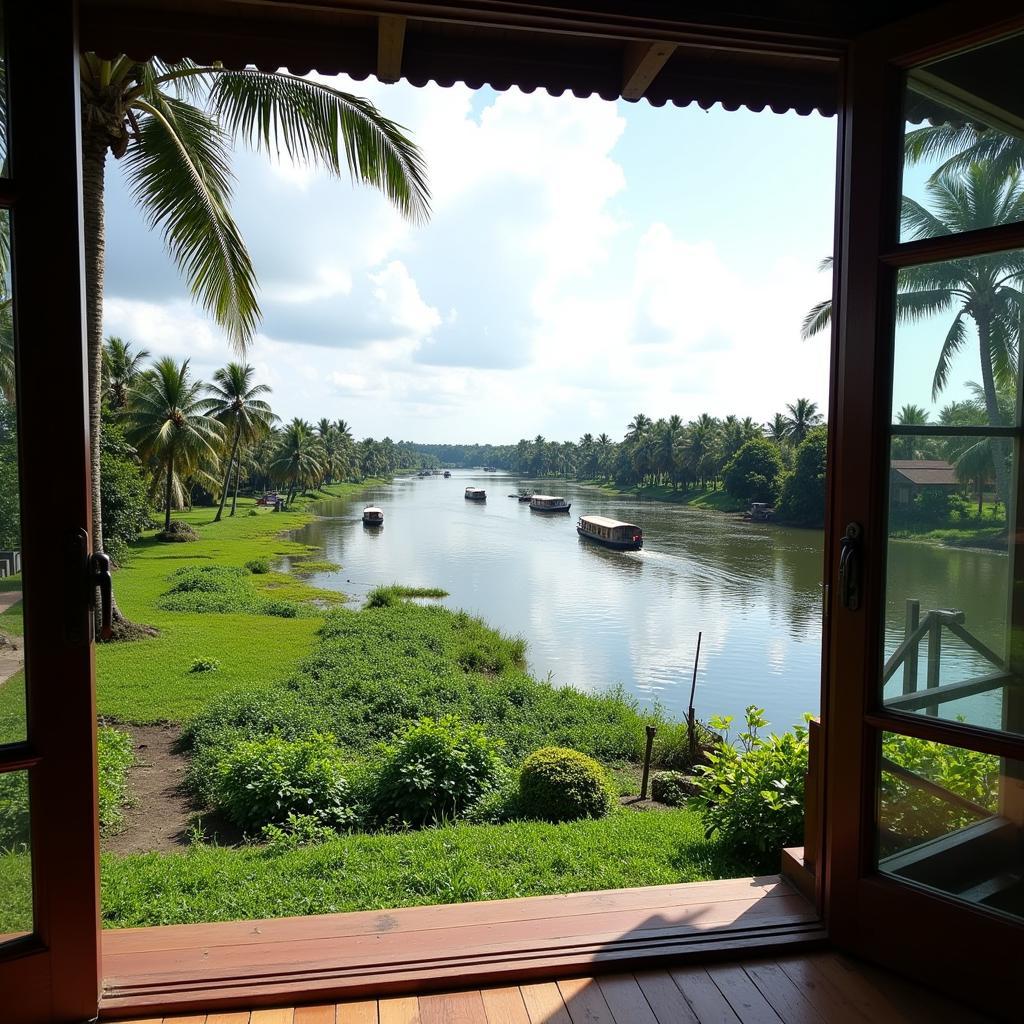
point(813, 988)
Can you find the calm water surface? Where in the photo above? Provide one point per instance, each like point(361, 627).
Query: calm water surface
point(597, 618)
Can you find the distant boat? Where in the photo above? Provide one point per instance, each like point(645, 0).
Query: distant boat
point(523, 498)
point(611, 532)
point(476, 494)
point(548, 503)
point(373, 516)
point(446, 474)
point(489, 469)
point(759, 512)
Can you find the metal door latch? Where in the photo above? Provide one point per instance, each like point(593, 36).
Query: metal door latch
point(850, 567)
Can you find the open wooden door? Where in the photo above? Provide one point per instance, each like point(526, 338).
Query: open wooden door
point(49, 937)
point(924, 709)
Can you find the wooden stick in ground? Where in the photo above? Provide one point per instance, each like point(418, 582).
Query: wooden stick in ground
point(691, 717)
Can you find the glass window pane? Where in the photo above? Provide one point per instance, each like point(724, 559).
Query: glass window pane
point(15, 857)
point(951, 819)
point(957, 338)
point(964, 140)
point(948, 610)
point(12, 682)
point(5, 168)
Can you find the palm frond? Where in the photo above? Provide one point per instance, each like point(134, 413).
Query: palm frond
point(313, 122)
point(180, 177)
point(954, 341)
point(819, 317)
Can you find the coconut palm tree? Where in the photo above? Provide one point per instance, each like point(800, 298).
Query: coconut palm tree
point(777, 431)
point(173, 126)
point(803, 415)
point(121, 368)
point(170, 426)
point(985, 291)
point(236, 404)
point(298, 459)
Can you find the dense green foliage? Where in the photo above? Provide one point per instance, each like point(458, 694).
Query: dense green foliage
point(802, 500)
point(123, 492)
point(10, 488)
point(752, 474)
point(266, 781)
point(454, 864)
point(434, 772)
point(751, 797)
point(222, 588)
point(910, 814)
point(557, 784)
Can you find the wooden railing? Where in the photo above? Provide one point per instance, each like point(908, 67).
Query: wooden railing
point(936, 692)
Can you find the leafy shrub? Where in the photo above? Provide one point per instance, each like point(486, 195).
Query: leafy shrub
point(296, 831)
point(434, 772)
point(178, 532)
point(258, 566)
point(282, 609)
point(253, 512)
point(124, 498)
point(119, 551)
point(116, 756)
point(14, 821)
point(932, 505)
point(802, 500)
point(673, 788)
point(909, 814)
point(752, 797)
point(208, 588)
point(236, 717)
point(383, 597)
point(558, 784)
point(263, 782)
point(204, 665)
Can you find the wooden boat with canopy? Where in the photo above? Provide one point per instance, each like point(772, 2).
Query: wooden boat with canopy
point(373, 516)
point(548, 503)
point(611, 532)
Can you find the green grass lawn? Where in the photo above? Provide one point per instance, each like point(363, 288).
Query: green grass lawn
point(453, 864)
point(150, 680)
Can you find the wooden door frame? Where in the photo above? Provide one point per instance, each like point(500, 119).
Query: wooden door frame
point(862, 908)
point(52, 975)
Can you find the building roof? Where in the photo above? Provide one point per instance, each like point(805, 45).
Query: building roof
point(926, 471)
point(737, 53)
point(608, 523)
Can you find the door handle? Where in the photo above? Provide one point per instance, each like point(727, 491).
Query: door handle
point(850, 567)
point(101, 578)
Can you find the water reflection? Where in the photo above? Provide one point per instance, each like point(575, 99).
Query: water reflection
point(595, 617)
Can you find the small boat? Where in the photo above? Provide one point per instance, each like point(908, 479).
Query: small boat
point(447, 474)
point(476, 494)
point(611, 532)
point(373, 516)
point(489, 469)
point(759, 512)
point(523, 498)
point(548, 503)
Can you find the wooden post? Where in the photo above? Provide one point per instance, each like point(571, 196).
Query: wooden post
point(651, 730)
point(812, 815)
point(910, 661)
point(691, 715)
point(934, 658)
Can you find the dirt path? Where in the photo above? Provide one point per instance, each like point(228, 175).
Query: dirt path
point(160, 811)
point(12, 657)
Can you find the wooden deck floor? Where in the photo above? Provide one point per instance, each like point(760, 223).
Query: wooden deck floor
point(813, 988)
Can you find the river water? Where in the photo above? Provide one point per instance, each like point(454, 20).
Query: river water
point(597, 618)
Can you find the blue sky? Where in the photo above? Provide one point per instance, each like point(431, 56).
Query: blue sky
point(586, 260)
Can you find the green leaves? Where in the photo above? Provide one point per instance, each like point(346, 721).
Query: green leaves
point(180, 174)
point(313, 122)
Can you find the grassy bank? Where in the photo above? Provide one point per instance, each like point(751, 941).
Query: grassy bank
point(453, 864)
point(152, 680)
point(717, 500)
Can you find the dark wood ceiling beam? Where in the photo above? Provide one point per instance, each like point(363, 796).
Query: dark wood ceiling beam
point(390, 42)
point(642, 61)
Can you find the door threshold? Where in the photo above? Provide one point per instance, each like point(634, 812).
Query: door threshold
point(370, 953)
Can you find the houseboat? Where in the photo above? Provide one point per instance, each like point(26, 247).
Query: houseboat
point(548, 503)
point(611, 532)
point(476, 494)
point(759, 512)
point(373, 516)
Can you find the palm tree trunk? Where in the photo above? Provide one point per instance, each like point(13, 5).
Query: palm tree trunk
point(167, 493)
point(238, 473)
point(227, 473)
point(94, 155)
point(988, 383)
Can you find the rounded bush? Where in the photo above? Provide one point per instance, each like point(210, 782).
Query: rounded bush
point(258, 566)
point(673, 788)
point(267, 781)
point(178, 532)
point(437, 770)
point(559, 784)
